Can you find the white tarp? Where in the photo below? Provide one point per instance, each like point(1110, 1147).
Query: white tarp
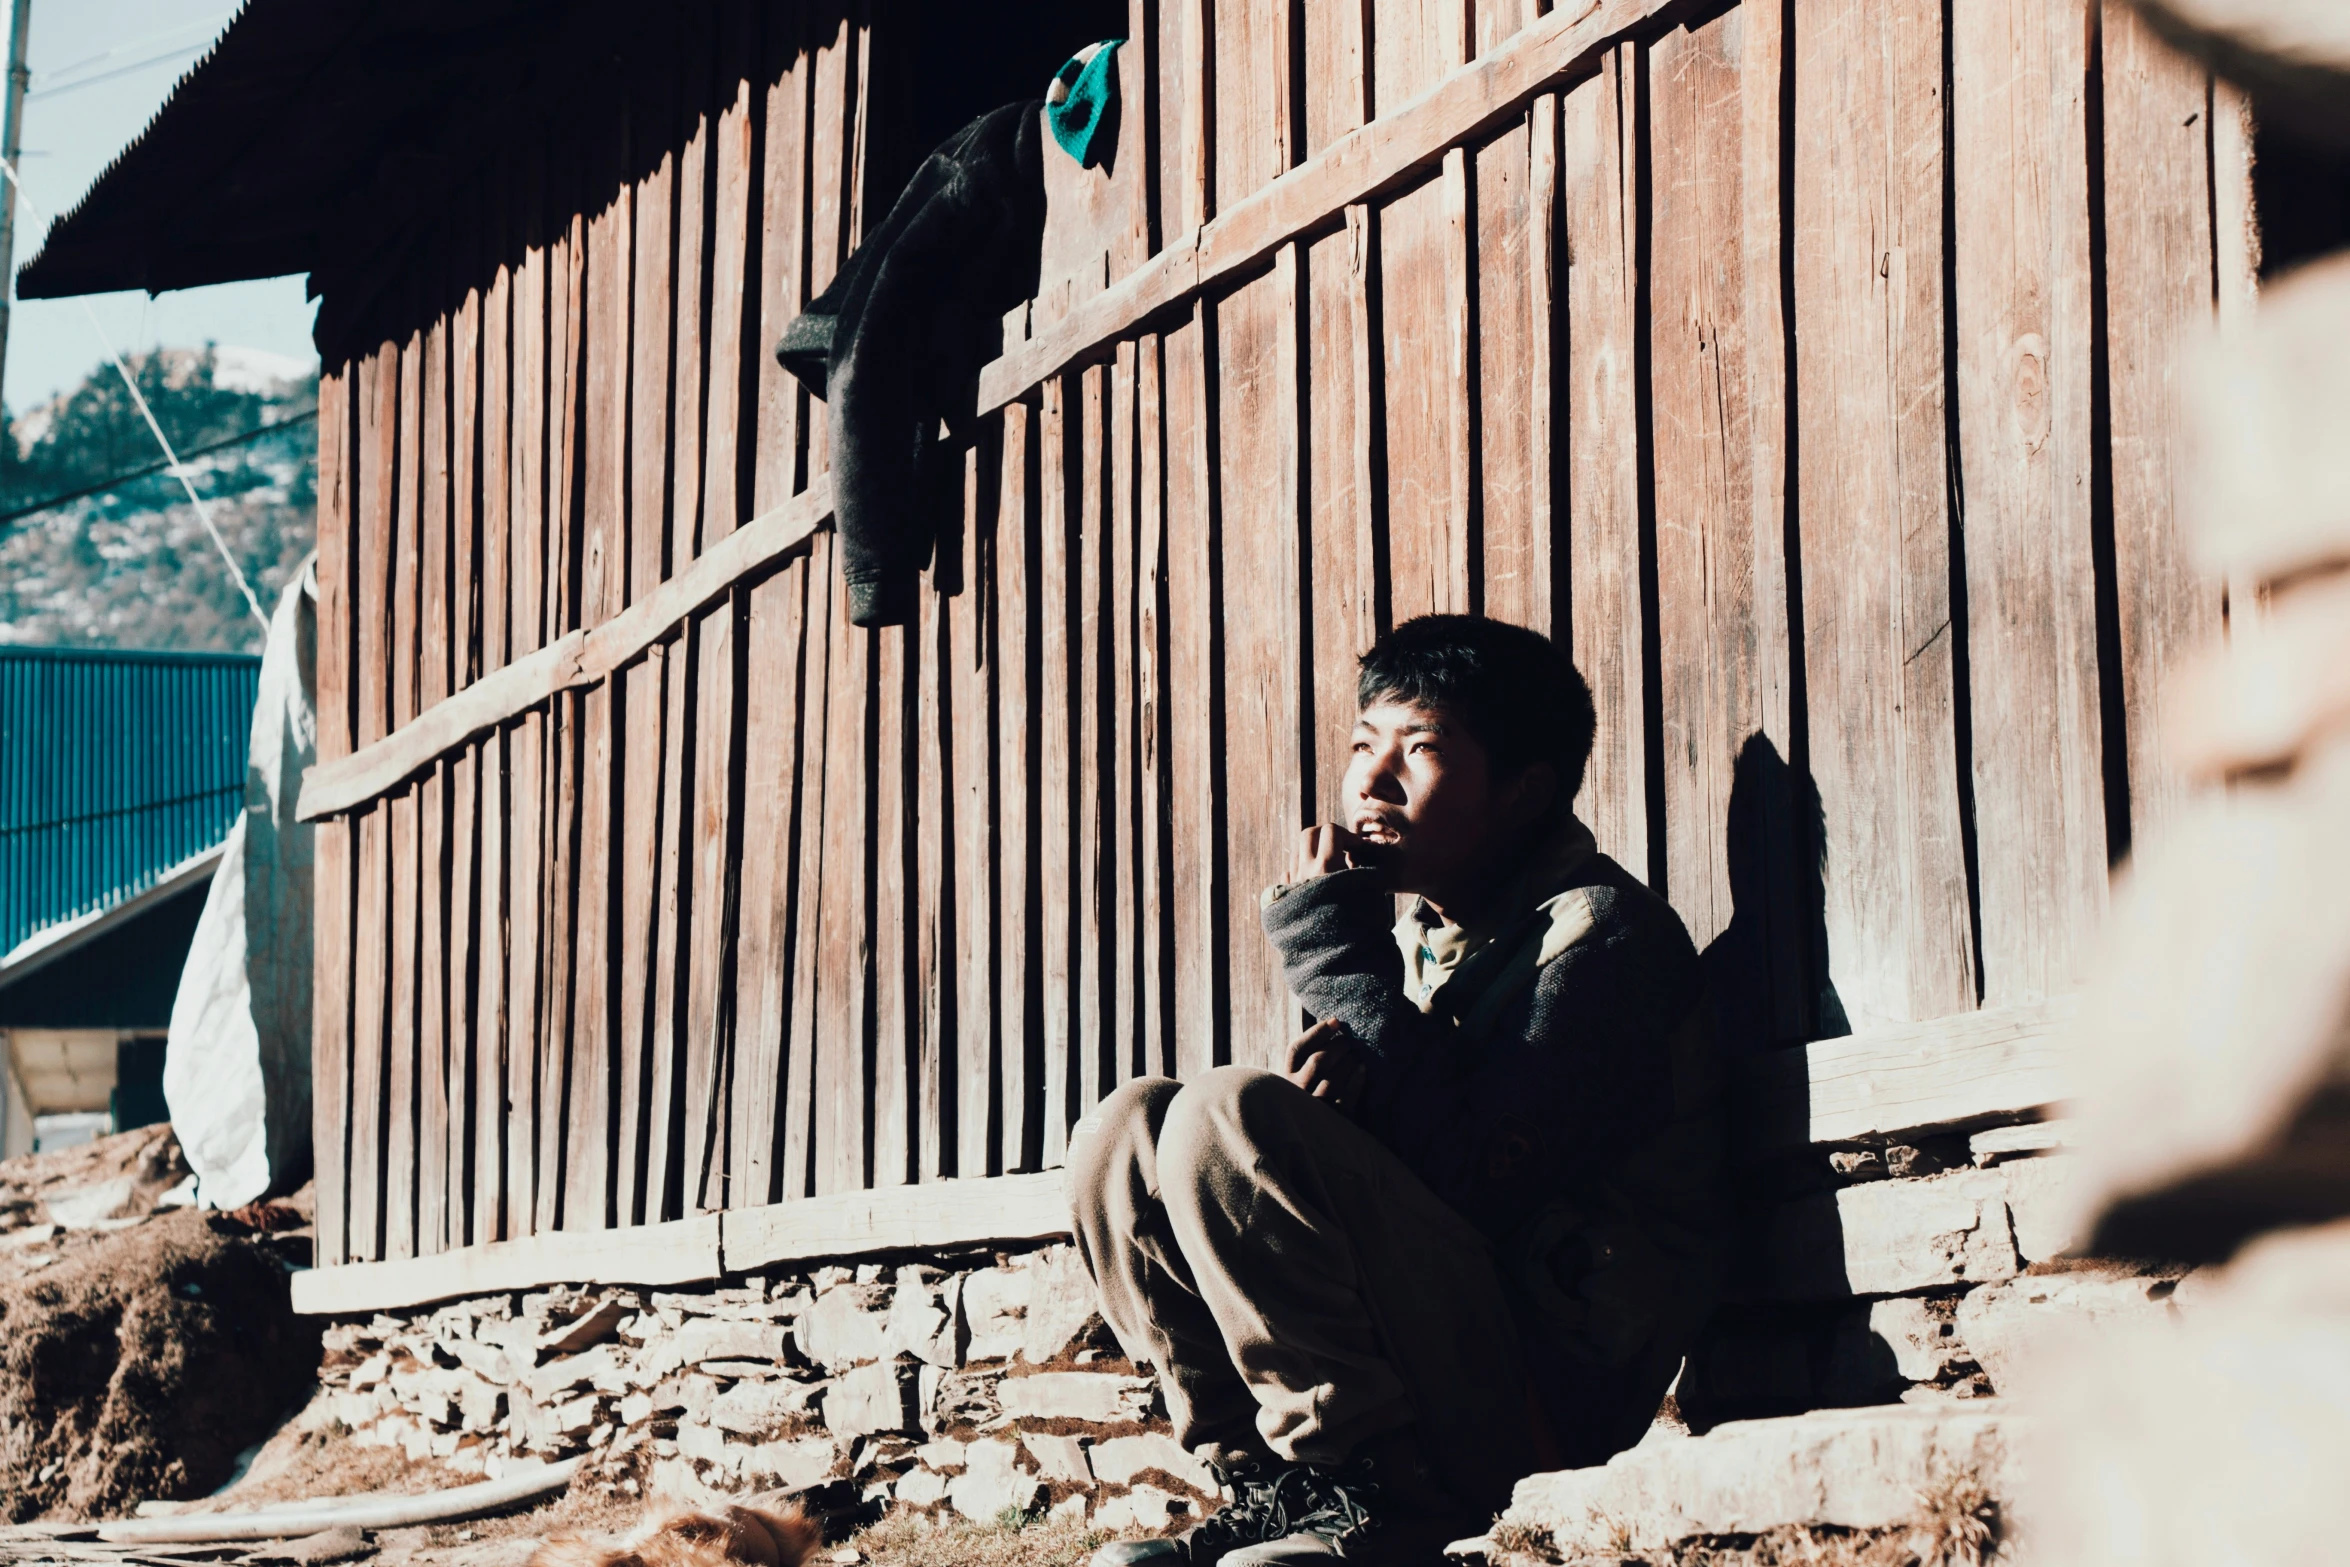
point(237, 1070)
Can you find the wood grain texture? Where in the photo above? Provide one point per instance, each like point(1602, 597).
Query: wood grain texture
point(1194, 751)
point(2160, 287)
point(1094, 955)
point(1357, 167)
point(1718, 378)
point(1601, 203)
point(766, 995)
point(1055, 714)
point(2022, 307)
point(1154, 1042)
point(1014, 544)
point(1342, 550)
point(1876, 523)
point(1259, 416)
point(1427, 537)
point(1513, 565)
point(976, 875)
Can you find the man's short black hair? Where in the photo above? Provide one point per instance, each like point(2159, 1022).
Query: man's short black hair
point(1518, 691)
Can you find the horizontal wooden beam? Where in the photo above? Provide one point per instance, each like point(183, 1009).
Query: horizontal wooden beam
point(933, 1216)
point(1950, 1074)
point(581, 658)
point(1359, 166)
point(938, 1216)
point(682, 1251)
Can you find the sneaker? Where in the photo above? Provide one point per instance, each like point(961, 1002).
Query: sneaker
point(1353, 1514)
point(1267, 1503)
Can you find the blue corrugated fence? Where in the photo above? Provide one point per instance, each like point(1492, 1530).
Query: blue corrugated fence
point(114, 767)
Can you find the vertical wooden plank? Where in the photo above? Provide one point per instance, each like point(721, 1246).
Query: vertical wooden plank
point(977, 873)
point(1876, 527)
point(1094, 963)
point(820, 781)
point(681, 779)
point(370, 1061)
point(831, 142)
point(930, 1006)
point(332, 952)
point(1711, 606)
point(465, 564)
point(650, 754)
point(1059, 820)
point(891, 935)
point(378, 436)
point(768, 995)
point(592, 1129)
point(493, 416)
point(844, 943)
point(1186, 94)
point(403, 1034)
point(467, 898)
point(2159, 291)
point(1251, 97)
point(2021, 232)
point(1513, 569)
point(1420, 298)
point(1013, 546)
point(464, 903)
point(1338, 71)
point(1257, 417)
point(434, 658)
point(1123, 1045)
point(785, 418)
point(1195, 746)
point(1154, 1044)
point(332, 1100)
point(1545, 517)
point(712, 1011)
point(560, 1105)
point(526, 739)
point(1600, 202)
point(1718, 380)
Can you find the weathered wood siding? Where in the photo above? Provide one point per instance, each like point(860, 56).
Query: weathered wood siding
point(1807, 365)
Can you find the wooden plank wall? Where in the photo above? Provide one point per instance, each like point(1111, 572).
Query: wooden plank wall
point(1806, 365)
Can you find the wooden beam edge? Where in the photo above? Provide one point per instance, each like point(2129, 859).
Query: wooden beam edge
point(1357, 167)
point(578, 658)
point(681, 1251)
point(1948, 1074)
point(934, 1216)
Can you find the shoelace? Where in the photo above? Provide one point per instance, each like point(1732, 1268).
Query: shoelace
point(1342, 1504)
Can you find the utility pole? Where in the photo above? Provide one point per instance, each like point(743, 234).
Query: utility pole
point(12, 149)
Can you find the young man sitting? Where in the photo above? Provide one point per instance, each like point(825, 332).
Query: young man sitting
point(1471, 1231)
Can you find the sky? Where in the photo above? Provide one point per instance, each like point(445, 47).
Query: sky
point(100, 70)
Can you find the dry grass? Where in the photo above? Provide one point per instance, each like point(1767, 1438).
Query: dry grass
point(910, 1540)
point(1957, 1524)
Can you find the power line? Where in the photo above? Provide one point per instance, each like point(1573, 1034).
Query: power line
point(153, 468)
point(171, 458)
point(120, 70)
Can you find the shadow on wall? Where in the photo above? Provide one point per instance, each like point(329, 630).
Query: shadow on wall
point(1768, 969)
point(1765, 1353)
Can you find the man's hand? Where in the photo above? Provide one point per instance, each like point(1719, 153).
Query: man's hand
point(1328, 1062)
point(1323, 848)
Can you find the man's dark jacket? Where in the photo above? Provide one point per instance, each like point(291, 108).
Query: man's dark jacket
point(896, 343)
point(1563, 1093)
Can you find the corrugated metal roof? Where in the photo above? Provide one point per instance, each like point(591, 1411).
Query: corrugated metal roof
point(114, 767)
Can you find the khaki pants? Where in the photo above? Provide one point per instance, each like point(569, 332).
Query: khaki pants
point(1294, 1284)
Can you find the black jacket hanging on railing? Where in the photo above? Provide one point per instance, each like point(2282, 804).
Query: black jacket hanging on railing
point(895, 346)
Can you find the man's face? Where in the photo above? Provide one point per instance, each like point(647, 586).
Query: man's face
point(1419, 792)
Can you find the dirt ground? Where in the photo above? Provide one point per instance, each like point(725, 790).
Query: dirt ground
point(142, 1363)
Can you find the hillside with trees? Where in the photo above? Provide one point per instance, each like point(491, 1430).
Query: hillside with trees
point(128, 564)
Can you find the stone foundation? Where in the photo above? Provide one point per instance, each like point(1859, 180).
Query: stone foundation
point(976, 1385)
